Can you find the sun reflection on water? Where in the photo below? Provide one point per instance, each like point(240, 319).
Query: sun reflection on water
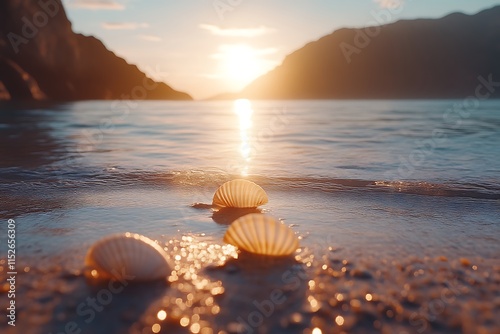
point(243, 108)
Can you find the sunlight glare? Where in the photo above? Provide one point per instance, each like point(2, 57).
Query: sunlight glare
point(241, 63)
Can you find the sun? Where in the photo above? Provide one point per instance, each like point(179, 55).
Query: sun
point(240, 64)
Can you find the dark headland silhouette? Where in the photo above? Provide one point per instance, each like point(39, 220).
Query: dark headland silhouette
point(42, 58)
point(424, 58)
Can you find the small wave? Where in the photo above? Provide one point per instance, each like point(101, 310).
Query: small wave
point(444, 190)
point(210, 179)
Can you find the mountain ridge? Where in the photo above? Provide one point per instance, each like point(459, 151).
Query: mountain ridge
point(420, 58)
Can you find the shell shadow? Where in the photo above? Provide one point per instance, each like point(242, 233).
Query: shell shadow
point(225, 216)
point(261, 292)
point(201, 206)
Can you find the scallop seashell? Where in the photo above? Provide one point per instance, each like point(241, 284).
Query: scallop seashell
point(261, 234)
point(239, 193)
point(127, 256)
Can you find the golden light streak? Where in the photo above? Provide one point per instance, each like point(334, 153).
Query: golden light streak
point(243, 108)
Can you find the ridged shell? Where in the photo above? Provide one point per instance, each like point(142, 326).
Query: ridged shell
point(127, 255)
point(261, 234)
point(239, 193)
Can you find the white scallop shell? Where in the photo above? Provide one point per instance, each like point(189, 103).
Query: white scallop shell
point(127, 256)
point(239, 193)
point(261, 234)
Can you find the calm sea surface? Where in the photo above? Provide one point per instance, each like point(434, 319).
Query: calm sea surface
point(421, 176)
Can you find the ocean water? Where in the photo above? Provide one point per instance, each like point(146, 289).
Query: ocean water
point(392, 171)
point(389, 179)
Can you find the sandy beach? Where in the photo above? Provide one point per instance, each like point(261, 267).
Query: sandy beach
point(325, 291)
point(375, 256)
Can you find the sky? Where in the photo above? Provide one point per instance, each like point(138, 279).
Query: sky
point(207, 47)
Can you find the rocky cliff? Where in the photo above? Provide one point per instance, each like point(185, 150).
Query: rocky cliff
point(42, 58)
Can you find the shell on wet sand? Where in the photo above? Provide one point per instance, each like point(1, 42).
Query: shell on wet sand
point(261, 234)
point(127, 256)
point(239, 193)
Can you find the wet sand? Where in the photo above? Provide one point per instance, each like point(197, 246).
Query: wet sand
point(216, 289)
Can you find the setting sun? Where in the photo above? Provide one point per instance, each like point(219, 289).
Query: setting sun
point(241, 63)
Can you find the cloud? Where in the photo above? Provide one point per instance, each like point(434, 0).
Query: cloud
point(236, 32)
point(124, 25)
point(226, 50)
point(151, 38)
point(389, 3)
point(97, 4)
point(210, 75)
